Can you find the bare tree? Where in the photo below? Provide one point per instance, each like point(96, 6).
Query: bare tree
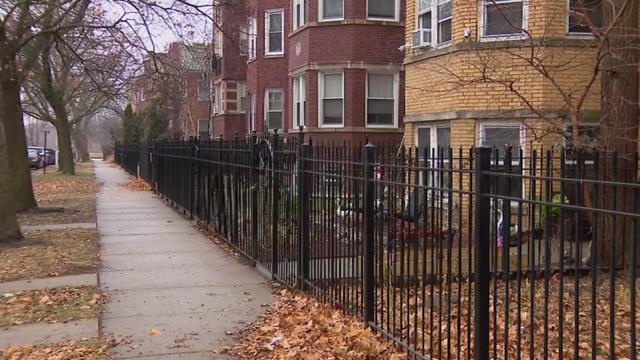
point(9, 228)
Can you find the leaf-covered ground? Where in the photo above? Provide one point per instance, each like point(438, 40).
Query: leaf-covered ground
point(90, 349)
point(49, 253)
point(75, 194)
point(51, 305)
point(297, 326)
point(136, 184)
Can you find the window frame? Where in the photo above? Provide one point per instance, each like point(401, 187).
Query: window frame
point(396, 16)
point(267, 22)
point(218, 46)
point(297, 91)
point(433, 139)
point(198, 90)
point(217, 98)
point(294, 19)
point(208, 127)
point(502, 37)
point(321, 98)
point(435, 31)
point(573, 34)
point(267, 110)
point(241, 89)
point(396, 100)
point(251, 115)
point(243, 38)
point(252, 42)
point(321, 17)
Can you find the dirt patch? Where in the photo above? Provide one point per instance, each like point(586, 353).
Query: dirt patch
point(297, 326)
point(49, 253)
point(92, 349)
point(50, 305)
point(76, 195)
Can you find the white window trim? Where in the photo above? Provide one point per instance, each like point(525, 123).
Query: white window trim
point(267, 50)
point(243, 34)
point(321, 98)
point(294, 19)
point(219, 43)
point(294, 114)
point(266, 106)
point(208, 126)
point(434, 25)
point(321, 17)
point(575, 35)
point(433, 134)
point(217, 98)
point(395, 18)
point(241, 87)
point(199, 98)
point(482, 18)
point(252, 41)
point(251, 97)
point(503, 124)
point(396, 100)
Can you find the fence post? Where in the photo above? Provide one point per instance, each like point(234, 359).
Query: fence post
point(303, 196)
point(482, 244)
point(275, 188)
point(193, 175)
point(254, 198)
point(368, 240)
point(154, 166)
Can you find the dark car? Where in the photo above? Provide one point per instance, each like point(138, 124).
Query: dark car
point(35, 159)
point(50, 156)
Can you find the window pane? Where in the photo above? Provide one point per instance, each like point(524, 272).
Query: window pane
point(580, 10)
point(332, 9)
point(382, 8)
point(275, 22)
point(503, 19)
point(332, 110)
point(380, 86)
point(274, 120)
point(275, 101)
point(501, 137)
point(425, 20)
point(444, 9)
point(444, 31)
point(333, 85)
point(424, 141)
point(275, 42)
point(424, 5)
point(380, 112)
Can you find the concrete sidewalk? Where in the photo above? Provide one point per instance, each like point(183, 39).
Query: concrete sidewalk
point(172, 293)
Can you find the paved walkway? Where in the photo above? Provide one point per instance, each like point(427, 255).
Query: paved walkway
point(42, 333)
point(172, 293)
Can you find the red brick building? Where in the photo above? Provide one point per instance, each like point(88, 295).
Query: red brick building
point(332, 66)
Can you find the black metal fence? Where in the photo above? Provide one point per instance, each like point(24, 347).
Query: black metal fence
point(451, 254)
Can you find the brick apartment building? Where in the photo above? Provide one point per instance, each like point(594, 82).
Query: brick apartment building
point(332, 66)
point(185, 69)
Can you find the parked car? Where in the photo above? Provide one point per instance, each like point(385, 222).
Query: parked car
point(51, 156)
point(36, 160)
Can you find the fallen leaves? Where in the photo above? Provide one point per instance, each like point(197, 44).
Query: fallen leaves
point(153, 332)
point(136, 184)
point(298, 326)
point(49, 253)
point(91, 349)
point(50, 305)
point(203, 228)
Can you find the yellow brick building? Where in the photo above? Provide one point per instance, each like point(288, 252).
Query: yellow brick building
point(497, 72)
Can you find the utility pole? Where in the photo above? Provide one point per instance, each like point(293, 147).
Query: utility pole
point(44, 152)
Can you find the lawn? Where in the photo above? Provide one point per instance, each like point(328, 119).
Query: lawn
point(89, 349)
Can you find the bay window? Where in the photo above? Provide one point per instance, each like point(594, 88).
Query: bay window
point(331, 99)
point(434, 19)
point(583, 12)
point(273, 101)
point(444, 21)
point(299, 100)
point(503, 18)
point(299, 13)
point(253, 38)
point(274, 32)
point(383, 9)
point(331, 9)
point(381, 100)
point(244, 40)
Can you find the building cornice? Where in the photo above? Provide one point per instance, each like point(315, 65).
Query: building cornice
point(497, 114)
point(392, 67)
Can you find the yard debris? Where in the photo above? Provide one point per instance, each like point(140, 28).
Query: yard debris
point(154, 332)
point(136, 184)
point(51, 305)
point(91, 349)
point(213, 236)
point(298, 326)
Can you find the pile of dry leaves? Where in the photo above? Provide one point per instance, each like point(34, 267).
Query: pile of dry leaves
point(298, 326)
point(91, 349)
point(50, 305)
point(136, 184)
point(203, 228)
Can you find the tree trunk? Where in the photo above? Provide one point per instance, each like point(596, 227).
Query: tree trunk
point(620, 113)
point(9, 228)
point(16, 142)
point(65, 162)
point(80, 141)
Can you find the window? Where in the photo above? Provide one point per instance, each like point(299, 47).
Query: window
point(244, 40)
point(434, 142)
point(499, 137)
point(503, 17)
point(253, 38)
point(444, 21)
point(203, 128)
point(299, 13)
point(331, 9)
point(381, 102)
point(382, 9)
point(140, 95)
point(425, 16)
point(331, 104)
point(218, 43)
point(204, 89)
point(274, 33)
point(273, 109)
point(217, 99)
point(299, 100)
point(252, 112)
point(581, 12)
point(242, 96)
